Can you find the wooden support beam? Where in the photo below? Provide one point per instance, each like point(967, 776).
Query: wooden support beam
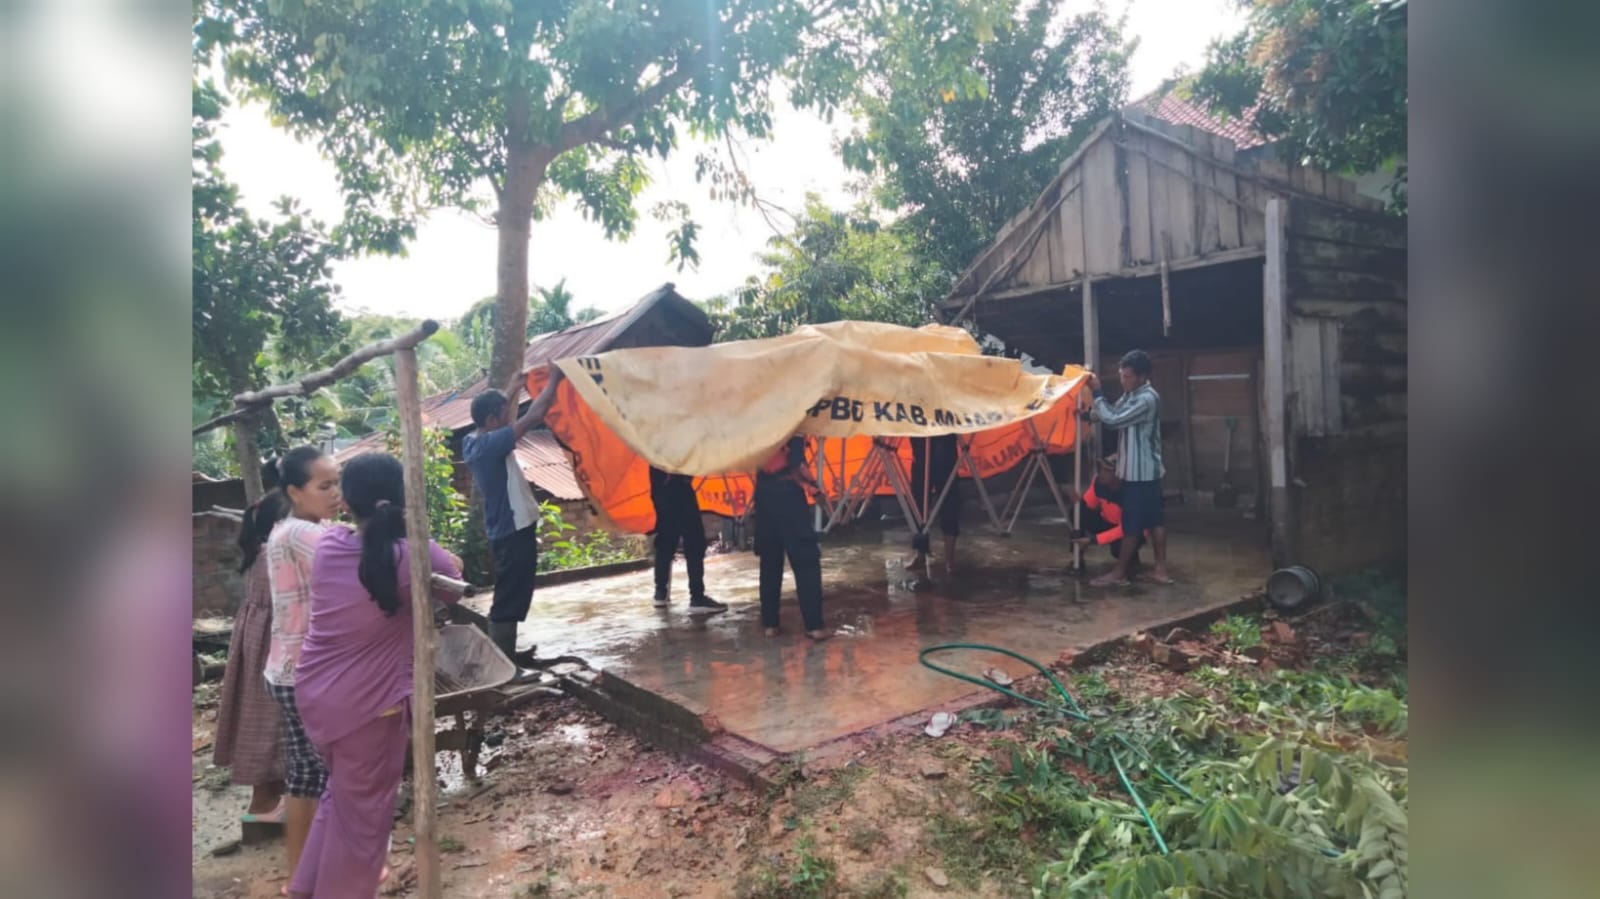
point(248, 403)
point(1186, 403)
point(1061, 173)
point(1019, 253)
point(1274, 317)
point(425, 790)
point(1166, 291)
point(1138, 271)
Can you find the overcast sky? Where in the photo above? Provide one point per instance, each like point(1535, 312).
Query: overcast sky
point(451, 264)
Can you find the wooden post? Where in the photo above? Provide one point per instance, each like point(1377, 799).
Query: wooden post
point(248, 451)
point(1078, 433)
point(1274, 320)
point(424, 789)
point(1166, 291)
point(1186, 402)
point(1091, 338)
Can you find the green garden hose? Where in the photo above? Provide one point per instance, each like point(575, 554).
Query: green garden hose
point(1071, 710)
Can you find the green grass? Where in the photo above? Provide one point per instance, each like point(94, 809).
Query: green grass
point(1238, 632)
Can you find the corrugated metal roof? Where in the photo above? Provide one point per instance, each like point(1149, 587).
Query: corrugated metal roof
point(1169, 107)
point(543, 462)
point(546, 465)
point(542, 459)
point(453, 409)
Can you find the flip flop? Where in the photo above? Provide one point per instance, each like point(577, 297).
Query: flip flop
point(1158, 579)
point(1107, 582)
point(273, 817)
point(941, 722)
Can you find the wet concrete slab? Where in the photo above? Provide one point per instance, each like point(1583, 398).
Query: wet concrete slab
point(787, 693)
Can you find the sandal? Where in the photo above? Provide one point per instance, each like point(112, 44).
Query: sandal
point(818, 636)
point(1109, 581)
point(273, 817)
point(1162, 579)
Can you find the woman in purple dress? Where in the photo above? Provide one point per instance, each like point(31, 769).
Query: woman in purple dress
point(353, 681)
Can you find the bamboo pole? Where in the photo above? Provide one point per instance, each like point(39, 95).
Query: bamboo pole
point(424, 789)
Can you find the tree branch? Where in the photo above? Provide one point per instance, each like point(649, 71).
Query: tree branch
point(249, 403)
point(592, 127)
point(761, 205)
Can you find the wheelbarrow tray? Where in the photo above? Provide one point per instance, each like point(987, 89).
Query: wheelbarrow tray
point(466, 661)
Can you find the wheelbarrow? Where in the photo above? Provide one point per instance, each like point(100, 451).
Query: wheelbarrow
point(468, 670)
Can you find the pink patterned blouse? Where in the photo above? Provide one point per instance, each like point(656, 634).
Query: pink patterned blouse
point(290, 550)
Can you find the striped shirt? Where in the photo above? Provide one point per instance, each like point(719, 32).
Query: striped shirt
point(1138, 416)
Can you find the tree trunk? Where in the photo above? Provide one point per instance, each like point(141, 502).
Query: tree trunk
point(525, 170)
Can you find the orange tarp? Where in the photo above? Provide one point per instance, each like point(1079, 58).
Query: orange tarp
point(715, 412)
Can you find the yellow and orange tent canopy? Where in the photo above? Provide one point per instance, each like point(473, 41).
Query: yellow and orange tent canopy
point(717, 412)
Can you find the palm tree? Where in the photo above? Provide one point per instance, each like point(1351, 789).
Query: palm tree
point(550, 309)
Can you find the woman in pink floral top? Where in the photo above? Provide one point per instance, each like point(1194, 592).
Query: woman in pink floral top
point(311, 482)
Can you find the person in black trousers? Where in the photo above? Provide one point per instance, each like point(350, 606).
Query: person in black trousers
point(943, 452)
point(678, 521)
point(783, 528)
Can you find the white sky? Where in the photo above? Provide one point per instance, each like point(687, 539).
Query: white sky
point(451, 263)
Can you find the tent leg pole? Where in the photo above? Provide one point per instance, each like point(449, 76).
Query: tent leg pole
point(977, 481)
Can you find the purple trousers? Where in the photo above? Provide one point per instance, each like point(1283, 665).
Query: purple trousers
point(349, 839)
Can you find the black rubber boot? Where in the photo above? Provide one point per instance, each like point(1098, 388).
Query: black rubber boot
point(504, 635)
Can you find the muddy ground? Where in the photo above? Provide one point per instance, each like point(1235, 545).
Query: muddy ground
point(572, 806)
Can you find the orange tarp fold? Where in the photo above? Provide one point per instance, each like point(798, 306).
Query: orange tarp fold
point(716, 412)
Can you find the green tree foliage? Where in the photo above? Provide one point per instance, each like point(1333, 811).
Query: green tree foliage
point(494, 105)
point(832, 266)
point(450, 519)
point(257, 284)
point(1284, 821)
point(262, 292)
point(960, 148)
point(550, 309)
point(1327, 78)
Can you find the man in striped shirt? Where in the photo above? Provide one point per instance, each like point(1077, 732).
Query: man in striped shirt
point(1137, 414)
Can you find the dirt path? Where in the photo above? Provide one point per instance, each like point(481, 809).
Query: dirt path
point(571, 806)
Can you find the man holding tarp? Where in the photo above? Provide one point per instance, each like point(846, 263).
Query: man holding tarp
point(510, 513)
point(1137, 414)
point(783, 528)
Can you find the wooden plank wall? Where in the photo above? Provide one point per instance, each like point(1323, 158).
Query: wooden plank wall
point(1132, 197)
point(1346, 273)
point(1347, 328)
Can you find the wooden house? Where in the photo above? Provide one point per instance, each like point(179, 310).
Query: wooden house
point(1272, 297)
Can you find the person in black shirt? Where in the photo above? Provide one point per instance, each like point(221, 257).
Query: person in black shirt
point(784, 528)
point(678, 521)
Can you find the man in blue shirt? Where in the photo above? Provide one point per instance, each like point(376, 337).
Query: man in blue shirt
point(1137, 414)
point(510, 513)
